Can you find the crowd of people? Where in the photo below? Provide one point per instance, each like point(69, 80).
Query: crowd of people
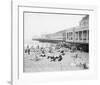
point(57, 53)
point(50, 53)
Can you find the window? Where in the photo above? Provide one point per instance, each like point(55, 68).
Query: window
point(88, 34)
point(67, 35)
point(80, 35)
point(71, 37)
point(76, 35)
point(85, 35)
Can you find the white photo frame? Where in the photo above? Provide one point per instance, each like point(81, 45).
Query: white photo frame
point(18, 9)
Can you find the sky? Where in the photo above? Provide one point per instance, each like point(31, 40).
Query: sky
point(36, 24)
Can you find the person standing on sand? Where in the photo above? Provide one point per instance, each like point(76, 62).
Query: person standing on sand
point(28, 50)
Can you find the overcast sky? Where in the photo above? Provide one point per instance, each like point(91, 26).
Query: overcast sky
point(36, 24)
